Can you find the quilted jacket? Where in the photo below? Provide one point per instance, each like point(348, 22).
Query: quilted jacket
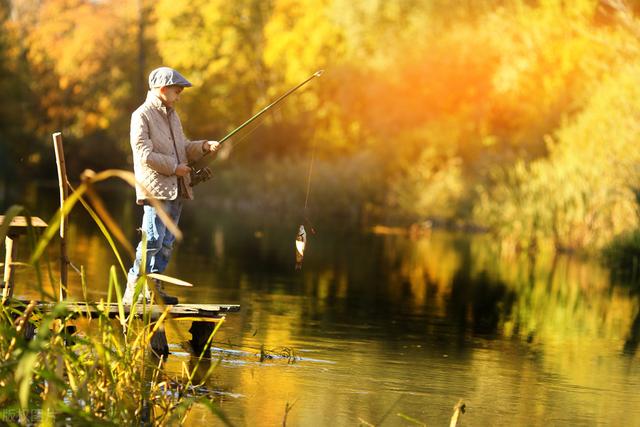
point(159, 146)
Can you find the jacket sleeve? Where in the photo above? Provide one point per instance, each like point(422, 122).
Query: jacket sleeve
point(194, 149)
point(142, 146)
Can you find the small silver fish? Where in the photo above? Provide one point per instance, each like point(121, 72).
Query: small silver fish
point(301, 242)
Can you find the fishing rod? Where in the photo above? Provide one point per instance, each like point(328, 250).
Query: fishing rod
point(200, 172)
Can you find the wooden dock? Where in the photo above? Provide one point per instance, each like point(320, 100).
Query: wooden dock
point(203, 312)
point(203, 318)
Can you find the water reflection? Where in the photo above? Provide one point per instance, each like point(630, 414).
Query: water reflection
point(415, 323)
point(430, 320)
point(631, 344)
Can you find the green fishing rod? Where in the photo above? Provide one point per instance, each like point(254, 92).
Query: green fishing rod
point(200, 172)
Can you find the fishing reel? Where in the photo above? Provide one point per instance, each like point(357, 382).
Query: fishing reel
point(200, 175)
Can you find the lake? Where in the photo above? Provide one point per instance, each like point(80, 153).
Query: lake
point(391, 329)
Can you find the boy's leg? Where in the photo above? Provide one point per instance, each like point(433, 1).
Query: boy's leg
point(155, 231)
point(173, 209)
point(161, 259)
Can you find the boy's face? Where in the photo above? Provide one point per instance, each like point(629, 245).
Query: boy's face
point(170, 94)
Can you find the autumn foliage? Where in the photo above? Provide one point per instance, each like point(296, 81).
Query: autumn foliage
point(517, 116)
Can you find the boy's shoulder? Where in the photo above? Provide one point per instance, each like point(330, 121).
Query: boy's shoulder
point(142, 110)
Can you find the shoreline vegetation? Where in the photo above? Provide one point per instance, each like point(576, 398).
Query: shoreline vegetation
point(104, 373)
point(61, 366)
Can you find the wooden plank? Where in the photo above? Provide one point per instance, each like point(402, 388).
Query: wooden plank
point(227, 308)
point(205, 311)
point(7, 278)
point(21, 222)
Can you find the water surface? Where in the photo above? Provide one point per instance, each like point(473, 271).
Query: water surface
point(383, 328)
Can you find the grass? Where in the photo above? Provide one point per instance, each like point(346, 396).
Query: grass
point(104, 375)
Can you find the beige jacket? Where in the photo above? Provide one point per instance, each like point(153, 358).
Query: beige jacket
point(159, 146)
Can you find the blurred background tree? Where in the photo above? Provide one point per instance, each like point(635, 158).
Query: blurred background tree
point(18, 144)
point(517, 116)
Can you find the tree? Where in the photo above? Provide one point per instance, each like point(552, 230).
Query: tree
point(17, 145)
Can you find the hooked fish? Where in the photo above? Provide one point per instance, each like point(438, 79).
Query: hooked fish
point(301, 242)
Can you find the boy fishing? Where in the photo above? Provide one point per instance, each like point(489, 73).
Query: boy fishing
point(161, 153)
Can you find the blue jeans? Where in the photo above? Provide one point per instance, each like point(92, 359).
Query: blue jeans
point(159, 239)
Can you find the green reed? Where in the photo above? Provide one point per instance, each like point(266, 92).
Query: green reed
point(105, 374)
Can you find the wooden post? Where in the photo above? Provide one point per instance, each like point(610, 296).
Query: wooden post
point(64, 192)
point(200, 333)
point(159, 343)
point(7, 290)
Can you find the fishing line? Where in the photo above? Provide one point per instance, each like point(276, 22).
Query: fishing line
point(306, 198)
point(301, 237)
point(313, 155)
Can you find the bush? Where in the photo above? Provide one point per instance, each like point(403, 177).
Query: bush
point(622, 256)
point(340, 190)
point(580, 196)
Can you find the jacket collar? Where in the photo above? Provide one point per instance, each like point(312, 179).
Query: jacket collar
point(154, 101)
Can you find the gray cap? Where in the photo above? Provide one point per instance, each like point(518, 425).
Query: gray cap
point(165, 76)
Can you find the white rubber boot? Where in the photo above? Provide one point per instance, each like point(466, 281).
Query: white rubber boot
point(127, 298)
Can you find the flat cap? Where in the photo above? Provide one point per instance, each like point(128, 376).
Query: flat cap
point(165, 76)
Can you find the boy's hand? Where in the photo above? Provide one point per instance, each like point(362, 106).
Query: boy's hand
point(183, 170)
point(212, 146)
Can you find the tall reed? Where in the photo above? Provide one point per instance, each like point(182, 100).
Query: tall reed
point(104, 374)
